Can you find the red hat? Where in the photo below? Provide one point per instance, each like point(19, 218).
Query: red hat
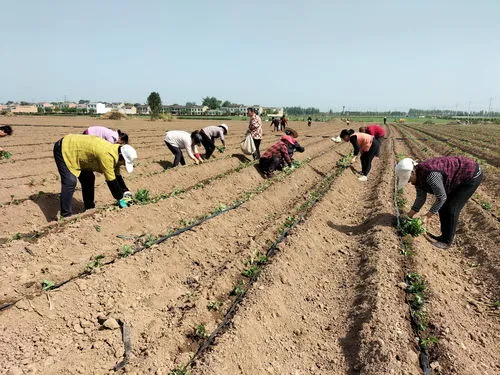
point(288, 138)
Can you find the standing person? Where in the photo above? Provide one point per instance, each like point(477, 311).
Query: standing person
point(208, 136)
point(255, 129)
point(452, 179)
point(365, 144)
point(5, 131)
point(309, 121)
point(276, 156)
point(176, 140)
point(377, 131)
point(283, 122)
point(79, 156)
point(385, 120)
point(109, 135)
point(276, 124)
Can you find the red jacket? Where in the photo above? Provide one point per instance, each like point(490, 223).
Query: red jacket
point(375, 130)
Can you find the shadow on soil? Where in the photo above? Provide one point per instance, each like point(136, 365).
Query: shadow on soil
point(49, 204)
point(241, 157)
point(380, 220)
point(165, 164)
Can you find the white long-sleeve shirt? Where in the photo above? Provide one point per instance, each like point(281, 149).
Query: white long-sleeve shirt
point(214, 132)
point(182, 140)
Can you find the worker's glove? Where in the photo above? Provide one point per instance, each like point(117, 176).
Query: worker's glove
point(124, 202)
point(128, 194)
point(353, 160)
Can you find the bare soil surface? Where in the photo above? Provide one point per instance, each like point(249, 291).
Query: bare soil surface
point(329, 302)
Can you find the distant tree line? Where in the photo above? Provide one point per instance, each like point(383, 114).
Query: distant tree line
point(299, 111)
point(414, 112)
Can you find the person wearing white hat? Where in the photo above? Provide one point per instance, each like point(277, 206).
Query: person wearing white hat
point(452, 179)
point(208, 136)
point(79, 156)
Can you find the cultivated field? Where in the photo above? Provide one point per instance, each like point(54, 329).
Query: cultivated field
point(303, 273)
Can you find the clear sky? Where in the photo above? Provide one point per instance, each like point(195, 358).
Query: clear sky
point(362, 54)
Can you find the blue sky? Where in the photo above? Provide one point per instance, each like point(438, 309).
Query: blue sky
point(362, 54)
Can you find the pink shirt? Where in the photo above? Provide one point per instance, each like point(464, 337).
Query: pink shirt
point(107, 134)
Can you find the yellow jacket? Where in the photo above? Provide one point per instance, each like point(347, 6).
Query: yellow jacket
point(86, 152)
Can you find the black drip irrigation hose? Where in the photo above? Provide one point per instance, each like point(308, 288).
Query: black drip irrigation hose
point(271, 251)
point(423, 353)
point(156, 242)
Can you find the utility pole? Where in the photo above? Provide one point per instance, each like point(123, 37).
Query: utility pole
point(489, 108)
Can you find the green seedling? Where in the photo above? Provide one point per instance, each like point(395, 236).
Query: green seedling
point(200, 332)
point(214, 305)
point(17, 236)
point(256, 259)
point(238, 289)
point(142, 196)
point(496, 304)
point(149, 241)
point(220, 208)
point(126, 250)
point(221, 149)
point(97, 228)
point(179, 371)
point(486, 205)
point(94, 264)
point(251, 271)
point(5, 155)
point(47, 285)
point(186, 222)
point(176, 192)
point(414, 227)
point(400, 157)
point(427, 342)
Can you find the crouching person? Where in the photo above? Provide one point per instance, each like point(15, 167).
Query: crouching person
point(276, 157)
point(79, 156)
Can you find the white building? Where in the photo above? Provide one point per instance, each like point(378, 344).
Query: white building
point(98, 108)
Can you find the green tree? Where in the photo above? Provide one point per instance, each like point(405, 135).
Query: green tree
point(212, 102)
point(227, 103)
point(83, 101)
point(154, 102)
point(190, 104)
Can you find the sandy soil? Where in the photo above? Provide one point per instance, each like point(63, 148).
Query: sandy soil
point(329, 302)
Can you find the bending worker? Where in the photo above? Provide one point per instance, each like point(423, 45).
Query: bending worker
point(209, 135)
point(452, 179)
point(365, 144)
point(79, 156)
point(109, 135)
point(176, 140)
point(377, 131)
point(5, 131)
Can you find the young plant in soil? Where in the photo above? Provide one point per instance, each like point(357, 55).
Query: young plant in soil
point(251, 271)
point(238, 289)
point(94, 264)
point(414, 227)
point(5, 155)
point(179, 371)
point(47, 285)
point(142, 196)
point(199, 332)
point(126, 250)
point(149, 240)
point(214, 305)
